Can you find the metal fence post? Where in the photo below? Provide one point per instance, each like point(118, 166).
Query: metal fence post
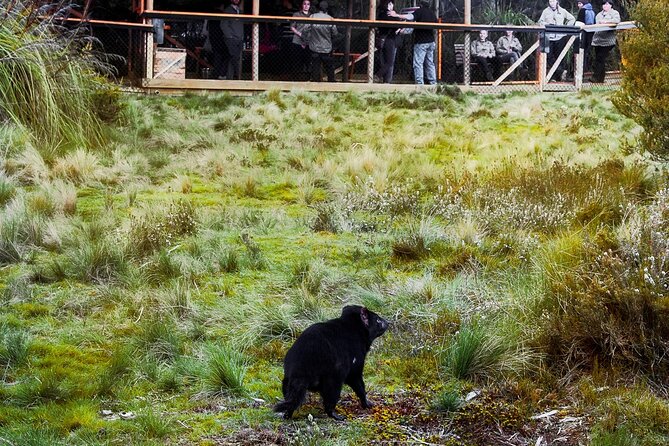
point(371, 44)
point(255, 44)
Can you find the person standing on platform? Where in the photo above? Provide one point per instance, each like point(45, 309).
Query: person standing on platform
point(604, 41)
point(217, 48)
point(300, 47)
point(388, 40)
point(423, 46)
point(320, 38)
point(233, 34)
point(585, 16)
point(554, 14)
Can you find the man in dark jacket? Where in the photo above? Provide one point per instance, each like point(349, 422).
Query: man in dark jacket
point(233, 35)
point(585, 16)
point(423, 46)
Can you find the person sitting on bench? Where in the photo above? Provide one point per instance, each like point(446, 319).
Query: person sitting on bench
point(483, 53)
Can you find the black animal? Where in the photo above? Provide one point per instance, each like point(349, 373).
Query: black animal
point(327, 355)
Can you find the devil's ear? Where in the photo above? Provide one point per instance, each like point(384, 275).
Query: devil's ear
point(364, 316)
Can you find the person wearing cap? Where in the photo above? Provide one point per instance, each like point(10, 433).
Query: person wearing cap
point(508, 48)
point(603, 41)
point(320, 38)
point(483, 53)
point(554, 14)
point(423, 46)
point(585, 16)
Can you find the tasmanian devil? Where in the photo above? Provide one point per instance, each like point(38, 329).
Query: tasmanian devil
point(328, 355)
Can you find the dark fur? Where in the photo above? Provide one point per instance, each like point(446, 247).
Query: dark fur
point(328, 355)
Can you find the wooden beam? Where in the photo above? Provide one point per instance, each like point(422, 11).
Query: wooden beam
point(564, 52)
point(516, 64)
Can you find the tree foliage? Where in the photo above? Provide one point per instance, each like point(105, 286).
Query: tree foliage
point(644, 95)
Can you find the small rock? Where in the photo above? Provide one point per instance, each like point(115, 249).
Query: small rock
point(127, 415)
point(471, 395)
point(106, 413)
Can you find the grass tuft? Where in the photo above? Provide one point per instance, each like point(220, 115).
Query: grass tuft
point(224, 371)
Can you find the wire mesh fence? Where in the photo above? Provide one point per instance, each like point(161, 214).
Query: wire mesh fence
point(188, 49)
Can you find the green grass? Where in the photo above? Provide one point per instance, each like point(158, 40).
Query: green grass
point(169, 273)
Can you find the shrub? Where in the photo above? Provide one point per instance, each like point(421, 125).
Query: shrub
point(613, 306)
point(159, 228)
point(644, 93)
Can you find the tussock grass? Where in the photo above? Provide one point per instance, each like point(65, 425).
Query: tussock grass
point(481, 351)
point(48, 77)
point(14, 346)
point(160, 339)
point(21, 231)
point(154, 425)
point(224, 371)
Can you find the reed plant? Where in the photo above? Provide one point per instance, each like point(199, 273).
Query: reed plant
point(49, 76)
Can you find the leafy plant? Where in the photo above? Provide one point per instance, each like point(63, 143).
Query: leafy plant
point(644, 96)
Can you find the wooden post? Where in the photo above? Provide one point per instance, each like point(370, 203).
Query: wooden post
point(345, 75)
point(578, 69)
point(371, 44)
point(541, 66)
point(255, 44)
point(149, 47)
point(467, 56)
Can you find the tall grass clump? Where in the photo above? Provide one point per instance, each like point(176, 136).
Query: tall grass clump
point(14, 346)
point(21, 231)
point(160, 339)
point(484, 351)
point(49, 76)
point(224, 371)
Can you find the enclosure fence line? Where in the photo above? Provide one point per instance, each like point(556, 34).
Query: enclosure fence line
point(454, 61)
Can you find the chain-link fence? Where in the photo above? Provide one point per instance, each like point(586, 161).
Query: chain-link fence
point(192, 48)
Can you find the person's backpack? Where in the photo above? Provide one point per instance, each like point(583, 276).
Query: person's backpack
point(589, 17)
